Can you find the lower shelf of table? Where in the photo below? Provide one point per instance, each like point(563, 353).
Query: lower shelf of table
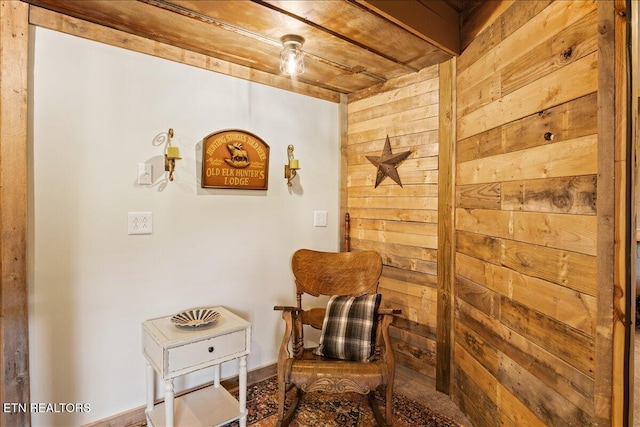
point(209, 406)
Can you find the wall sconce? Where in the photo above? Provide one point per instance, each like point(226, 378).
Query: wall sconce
point(291, 56)
point(170, 156)
point(291, 167)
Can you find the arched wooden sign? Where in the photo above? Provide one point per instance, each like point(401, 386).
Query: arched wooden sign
point(235, 159)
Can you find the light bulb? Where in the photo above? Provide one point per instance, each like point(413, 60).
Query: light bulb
point(291, 64)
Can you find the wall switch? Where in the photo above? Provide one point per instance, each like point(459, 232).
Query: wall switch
point(140, 223)
point(145, 174)
point(320, 218)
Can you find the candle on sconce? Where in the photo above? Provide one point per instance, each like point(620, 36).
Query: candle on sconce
point(173, 152)
point(291, 166)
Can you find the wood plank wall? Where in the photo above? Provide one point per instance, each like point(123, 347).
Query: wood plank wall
point(399, 222)
point(14, 72)
point(526, 220)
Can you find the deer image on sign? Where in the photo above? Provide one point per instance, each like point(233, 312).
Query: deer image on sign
point(239, 157)
point(235, 159)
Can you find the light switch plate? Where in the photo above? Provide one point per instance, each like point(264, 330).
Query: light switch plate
point(140, 223)
point(320, 218)
point(145, 174)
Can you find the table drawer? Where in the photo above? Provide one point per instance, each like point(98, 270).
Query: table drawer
point(206, 351)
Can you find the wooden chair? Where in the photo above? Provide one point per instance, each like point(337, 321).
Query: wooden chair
point(326, 273)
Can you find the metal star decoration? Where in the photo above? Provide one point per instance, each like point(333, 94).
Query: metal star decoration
point(387, 164)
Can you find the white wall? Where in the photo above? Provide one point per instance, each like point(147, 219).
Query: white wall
point(96, 112)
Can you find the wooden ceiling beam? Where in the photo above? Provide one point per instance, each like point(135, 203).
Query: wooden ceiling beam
point(348, 45)
point(435, 21)
point(332, 33)
point(80, 28)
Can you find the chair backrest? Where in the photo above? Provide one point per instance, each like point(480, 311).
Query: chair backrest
point(336, 273)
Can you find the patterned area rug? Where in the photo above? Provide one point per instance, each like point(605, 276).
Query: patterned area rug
point(331, 410)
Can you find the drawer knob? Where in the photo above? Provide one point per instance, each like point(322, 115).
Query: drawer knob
point(210, 349)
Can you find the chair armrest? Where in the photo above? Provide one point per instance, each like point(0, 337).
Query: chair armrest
point(285, 308)
point(287, 315)
point(386, 317)
point(292, 334)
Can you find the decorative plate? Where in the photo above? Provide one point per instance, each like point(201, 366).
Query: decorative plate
point(195, 317)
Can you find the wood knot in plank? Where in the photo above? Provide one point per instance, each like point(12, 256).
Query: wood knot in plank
point(604, 28)
point(563, 201)
point(20, 379)
point(567, 53)
point(524, 260)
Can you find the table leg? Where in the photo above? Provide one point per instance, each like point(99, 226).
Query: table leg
point(151, 384)
point(242, 392)
point(216, 376)
point(168, 402)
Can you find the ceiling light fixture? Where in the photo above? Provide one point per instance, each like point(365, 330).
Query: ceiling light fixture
point(291, 56)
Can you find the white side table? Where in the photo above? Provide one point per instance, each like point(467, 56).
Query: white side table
point(172, 351)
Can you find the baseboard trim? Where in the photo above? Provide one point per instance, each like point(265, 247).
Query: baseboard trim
point(137, 416)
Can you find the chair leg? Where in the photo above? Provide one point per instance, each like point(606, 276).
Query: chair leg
point(282, 392)
point(285, 419)
point(389, 402)
point(380, 420)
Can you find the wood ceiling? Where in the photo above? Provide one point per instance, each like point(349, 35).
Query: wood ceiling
point(350, 44)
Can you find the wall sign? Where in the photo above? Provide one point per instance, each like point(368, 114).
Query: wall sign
point(235, 159)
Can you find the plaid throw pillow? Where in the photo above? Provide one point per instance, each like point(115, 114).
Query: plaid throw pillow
point(349, 328)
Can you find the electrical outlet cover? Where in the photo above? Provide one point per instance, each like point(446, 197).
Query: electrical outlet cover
point(140, 223)
point(320, 218)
